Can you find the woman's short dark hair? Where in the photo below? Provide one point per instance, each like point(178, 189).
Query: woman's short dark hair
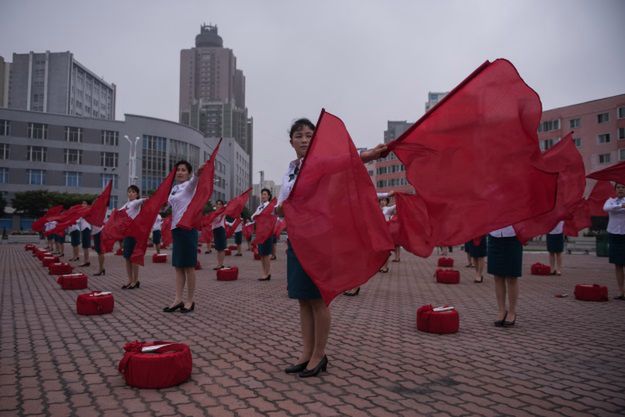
point(388, 201)
point(299, 124)
point(186, 164)
point(220, 201)
point(268, 191)
point(134, 188)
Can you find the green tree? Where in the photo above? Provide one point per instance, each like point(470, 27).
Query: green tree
point(35, 203)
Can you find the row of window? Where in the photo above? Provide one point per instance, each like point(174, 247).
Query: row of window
point(393, 182)
point(390, 169)
point(601, 139)
point(549, 125)
point(72, 134)
point(71, 156)
point(72, 178)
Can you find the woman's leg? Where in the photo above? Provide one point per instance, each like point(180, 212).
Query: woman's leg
point(500, 293)
point(322, 320)
point(552, 261)
point(135, 274)
point(85, 255)
point(101, 262)
point(397, 252)
point(266, 264)
point(190, 277)
point(221, 255)
point(559, 262)
point(513, 296)
point(129, 271)
point(620, 277)
point(157, 246)
point(307, 325)
point(75, 253)
point(180, 281)
point(479, 268)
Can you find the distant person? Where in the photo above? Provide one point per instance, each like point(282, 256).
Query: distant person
point(555, 247)
point(616, 235)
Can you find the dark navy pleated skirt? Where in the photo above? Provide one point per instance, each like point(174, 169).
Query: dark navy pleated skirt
point(129, 246)
point(96, 243)
point(85, 238)
point(184, 251)
point(59, 238)
point(219, 238)
point(299, 284)
point(616, 249)
point(74, 237)
point(505, 256)
point(264, 249)
point(156, 237)
point(478, 251)
point(238, 238)
point(555, 243)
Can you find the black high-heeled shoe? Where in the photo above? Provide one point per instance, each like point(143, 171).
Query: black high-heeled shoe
point(126, 287)
point(321, 366)
point(188, 310)
point(267, 278)
point(102, 272)
point(136, 285)
point(295, 369)
point(353, 293)
point(499, 323)
point(507, 323)
point(85, 264)
point(174, 308)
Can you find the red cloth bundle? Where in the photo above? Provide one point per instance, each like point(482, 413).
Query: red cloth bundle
point(440, 320)
point(228, 252)
point(228, 274)
point(95, 303)
point(73, 281)
point(48, 260)
point(232, 247)
point(168, 365)
point(445, 262)
point(256, 255)
point(60, 268)
point(541, 269)
point(591, 292)
point(159, 258)
point(198, 265)
point(447, 276)
point(42, 254)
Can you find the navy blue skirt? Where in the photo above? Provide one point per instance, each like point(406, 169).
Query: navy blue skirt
point(74, 237)
point(238, 238)
point(616, 249)
point(505, 256)
point(85, 238)
point(299, 284)
point(184, 251)
point(59, 238)
point(156, 237)
point(129, 246)
point(478, 251)
point(96, 243)
point(264, 249)
point(219, 239)
point(555, 243)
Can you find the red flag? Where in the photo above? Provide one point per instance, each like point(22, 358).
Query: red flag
point(265, 222)
point(248, 229)
point(614, 173)
point(166, 237)
point(564, 159)
point(332, 199)
point(279, 227)
point(38, 224)
point(415, 231)
point(114, 229)
point(599, 194)
point(142, 224)
point(473, 160)
point(206, 231)
point(394, 228)
point(231, 228)
point(98, 208)
point(235, 206)
point(67, 218)
point(192, 217)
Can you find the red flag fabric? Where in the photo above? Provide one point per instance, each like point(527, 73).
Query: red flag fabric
point(591, 207)
point(279, 227)
point(114, 229)
point(248, 230)
point(192, 217)
point(67, 218)
point(564, 159)
point(142, 224)
point(474, 160)
point(265, 223)
point(166, 237)
point(206, 231)
point(97, 213)
point(332, 199)
point(415, 230)
point(38, 224)
point(231, 228)
point(394, 230)
point(614, 173)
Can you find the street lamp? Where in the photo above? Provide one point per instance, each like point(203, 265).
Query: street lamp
point(132, 160)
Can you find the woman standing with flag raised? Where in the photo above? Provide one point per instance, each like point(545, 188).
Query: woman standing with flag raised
point(264, 248)
point(132, 207)
point(616, 235)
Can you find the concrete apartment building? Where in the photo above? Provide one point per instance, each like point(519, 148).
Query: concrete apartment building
point(212, 93)
point(55, 82)
point(5, 71)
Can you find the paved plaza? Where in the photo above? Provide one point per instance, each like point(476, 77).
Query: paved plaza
point(563, 358)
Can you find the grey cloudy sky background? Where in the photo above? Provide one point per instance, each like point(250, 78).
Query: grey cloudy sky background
point(365, 61)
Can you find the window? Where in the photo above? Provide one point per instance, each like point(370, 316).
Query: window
point(604, 158)
point(549, 125)
point(105, 178)
point(73, 134)
point(603, 117)
point(73, 156)
point(110, 137)
point(36, 177)
point(546, 144)
point(578, 142)
point(37, 154)
point(108, 159)
point(5, 128)
point(621, 132)
point(4, 175)
point(604, 138)
point(37, 131)
point(113, 202)
point(621, 112)
point(4, 151)
point(72, 179)
point(574, 123)
point(621, 154)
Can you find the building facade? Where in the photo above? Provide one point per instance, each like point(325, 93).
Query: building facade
point(55, 82)
point(5, 71)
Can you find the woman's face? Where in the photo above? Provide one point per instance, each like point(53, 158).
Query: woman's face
point(132, 195)
point(383, 202)
point(264, 196)
point(182, 173)
point(300, 140)
point(620, 190)
point(219, 205)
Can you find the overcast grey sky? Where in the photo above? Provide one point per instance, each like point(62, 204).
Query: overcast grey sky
point(365, 61)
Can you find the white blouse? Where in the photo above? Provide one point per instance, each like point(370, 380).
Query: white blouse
point(179, 199)
point(616, 213)
point(507, 231)
point(288, 180)
point(558, 229)
point(260, 209)
point(157, 223)
point(83, 224)
point(133, 207)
